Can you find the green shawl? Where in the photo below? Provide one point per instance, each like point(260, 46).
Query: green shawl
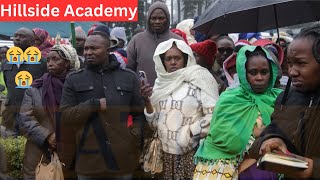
point(235, 114)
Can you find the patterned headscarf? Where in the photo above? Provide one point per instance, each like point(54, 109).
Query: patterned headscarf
point(67, 52)
point(44, 37)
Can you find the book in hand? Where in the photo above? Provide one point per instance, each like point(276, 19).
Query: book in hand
point(281, 163)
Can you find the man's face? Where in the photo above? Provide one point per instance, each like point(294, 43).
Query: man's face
point(23, 38)
point(3, 52)
point(158, 21)
point(121, 43)
point(225, 49)
point(302, 66)
point(201, 60)
point(80, 46)
point(96, 50)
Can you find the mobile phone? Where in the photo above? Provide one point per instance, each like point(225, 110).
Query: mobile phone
point(143, 77)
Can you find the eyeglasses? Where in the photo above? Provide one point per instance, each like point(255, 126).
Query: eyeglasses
point(227, 50)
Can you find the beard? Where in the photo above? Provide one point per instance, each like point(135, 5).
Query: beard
point(80, 50)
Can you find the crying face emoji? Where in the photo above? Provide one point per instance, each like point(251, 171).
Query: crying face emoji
point(23, 79)
point(15, 55)
point(32, 55)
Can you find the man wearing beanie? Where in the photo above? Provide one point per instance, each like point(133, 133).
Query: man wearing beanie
point(80, 40)
point(120, 34)
point(142, 46)
point(205, 52)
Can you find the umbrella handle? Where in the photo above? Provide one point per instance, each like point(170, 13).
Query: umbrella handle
point(277, 23)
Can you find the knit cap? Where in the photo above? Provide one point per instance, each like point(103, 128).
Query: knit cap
point(119, 33)
point(103, 28)
point(80, 34)
point(207, 48)
point(93, 27)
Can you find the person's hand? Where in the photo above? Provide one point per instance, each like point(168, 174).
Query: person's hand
point(103, 104)
point(277, 144)
point(33, 112)
point(303, 174)
point(146, 92)
point(273, 144)
point(51, 140)
point(258, 128)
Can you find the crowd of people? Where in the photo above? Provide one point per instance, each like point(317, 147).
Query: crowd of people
point(217, 105)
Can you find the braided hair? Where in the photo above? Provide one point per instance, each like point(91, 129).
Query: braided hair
point(312, 32)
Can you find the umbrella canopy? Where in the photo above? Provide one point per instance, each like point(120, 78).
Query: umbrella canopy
point(235, 16)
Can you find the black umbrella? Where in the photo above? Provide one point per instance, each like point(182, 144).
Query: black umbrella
point(235, 16)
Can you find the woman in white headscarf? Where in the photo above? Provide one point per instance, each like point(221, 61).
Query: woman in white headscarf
point(180, 106)
point(186, 26)
point(39, 106)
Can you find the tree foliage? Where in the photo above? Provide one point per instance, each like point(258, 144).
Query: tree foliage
point(14, 151)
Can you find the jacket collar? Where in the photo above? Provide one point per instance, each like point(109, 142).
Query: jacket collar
point(111, 66)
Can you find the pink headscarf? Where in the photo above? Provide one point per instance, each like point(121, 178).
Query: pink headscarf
point(44, 37)
point(265, 42)
point(230, 62)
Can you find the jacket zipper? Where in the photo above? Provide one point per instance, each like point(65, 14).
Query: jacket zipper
point(307, 142)
point(302, 119)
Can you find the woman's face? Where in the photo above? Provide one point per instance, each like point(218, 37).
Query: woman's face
point(173, 60)
point(302, 66)
point(56, 65)
point(37, 41)
point(225, 49)
point(258, 73)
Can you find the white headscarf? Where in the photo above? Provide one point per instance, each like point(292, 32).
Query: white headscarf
point(185, 26)
point(166, 83)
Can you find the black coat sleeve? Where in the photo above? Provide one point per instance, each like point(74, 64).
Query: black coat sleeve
point(72, 112)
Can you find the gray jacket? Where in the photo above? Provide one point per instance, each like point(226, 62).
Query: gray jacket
point(36, 128)
point(141, 47)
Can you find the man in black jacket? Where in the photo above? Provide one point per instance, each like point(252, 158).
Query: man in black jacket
point(23, 38)
point(96, 102)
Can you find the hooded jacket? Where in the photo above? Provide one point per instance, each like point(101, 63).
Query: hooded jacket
point(142, 46)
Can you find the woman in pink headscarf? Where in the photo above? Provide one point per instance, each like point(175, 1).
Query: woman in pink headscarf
point(42, 41)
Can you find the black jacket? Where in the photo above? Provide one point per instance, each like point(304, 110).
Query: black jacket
point(15, 95)
point(297, 122)
point(80, 104)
